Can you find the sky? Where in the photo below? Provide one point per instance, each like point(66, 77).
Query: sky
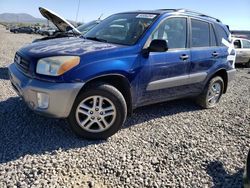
point(236, 14)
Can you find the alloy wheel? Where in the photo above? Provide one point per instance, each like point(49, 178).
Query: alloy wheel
point(96, 114)
point(214, 93)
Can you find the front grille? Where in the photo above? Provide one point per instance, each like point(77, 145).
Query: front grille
point(22, 63)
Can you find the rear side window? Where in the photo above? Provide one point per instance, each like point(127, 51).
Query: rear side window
point(221, 33)
point(200, 33)
point(246, 44)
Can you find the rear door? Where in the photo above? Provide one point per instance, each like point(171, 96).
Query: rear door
point(223, 49)
point(204, 52)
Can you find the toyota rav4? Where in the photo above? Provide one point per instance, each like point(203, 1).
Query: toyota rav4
point(128, 60)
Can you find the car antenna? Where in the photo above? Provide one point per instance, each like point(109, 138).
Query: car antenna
point(100, 17)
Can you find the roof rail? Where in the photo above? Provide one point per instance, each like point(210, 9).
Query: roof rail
point(197, 14)
point(173, 10)
point(190, 12)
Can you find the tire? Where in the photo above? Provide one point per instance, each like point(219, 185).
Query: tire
point(204, 100)
point(84, 110)
point(248, 64)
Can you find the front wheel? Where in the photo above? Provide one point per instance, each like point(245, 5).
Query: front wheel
point(212, 93)
point(98, 112)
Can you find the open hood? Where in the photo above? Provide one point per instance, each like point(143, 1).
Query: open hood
point(62, 24)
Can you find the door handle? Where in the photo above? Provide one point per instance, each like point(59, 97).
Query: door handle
point(215, 54)
point(184, 57)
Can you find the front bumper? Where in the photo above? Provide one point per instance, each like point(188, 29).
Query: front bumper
point(61, 96)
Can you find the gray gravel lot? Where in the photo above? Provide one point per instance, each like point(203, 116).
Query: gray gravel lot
point(175, 144)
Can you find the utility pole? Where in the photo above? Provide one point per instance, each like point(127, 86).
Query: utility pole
point(77, 10)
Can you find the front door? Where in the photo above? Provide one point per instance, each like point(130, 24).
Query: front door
point(165, 74)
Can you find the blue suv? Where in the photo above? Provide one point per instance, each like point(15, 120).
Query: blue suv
point(128, 60)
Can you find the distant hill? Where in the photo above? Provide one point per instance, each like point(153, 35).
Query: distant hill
point(241, 34)
point(20, 18)
point(24, 18)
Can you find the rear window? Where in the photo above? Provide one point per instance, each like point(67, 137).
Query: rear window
point(221, 33)
point(200, 33)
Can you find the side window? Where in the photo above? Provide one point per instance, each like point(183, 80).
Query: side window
point(221, 33)
point(174, 31)
point(212, 37)
point(237, 44)
point(246, 44)
point(200, 33)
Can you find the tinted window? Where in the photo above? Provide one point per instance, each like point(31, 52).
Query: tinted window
point(125, 28)
point(200, 33)
point(174, 31)
point(221, 33)
point(212, 37)
point(246, 44)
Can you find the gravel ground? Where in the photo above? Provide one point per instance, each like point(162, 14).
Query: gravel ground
point(175, 144)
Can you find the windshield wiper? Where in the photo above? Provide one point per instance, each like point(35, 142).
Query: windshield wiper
point(74, 33)
point(96, 39)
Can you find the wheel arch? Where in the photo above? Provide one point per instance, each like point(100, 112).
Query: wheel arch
point(223, 74)
point(119, 81)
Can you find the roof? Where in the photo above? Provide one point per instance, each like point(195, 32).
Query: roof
point(179, 11)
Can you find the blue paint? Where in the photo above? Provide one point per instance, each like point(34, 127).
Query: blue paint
point(100, 58)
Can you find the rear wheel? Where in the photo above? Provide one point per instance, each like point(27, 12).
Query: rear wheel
point(98, 112)
point(248, 64)
point(212, 93)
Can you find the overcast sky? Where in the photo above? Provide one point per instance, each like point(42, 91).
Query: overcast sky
point(236, 14)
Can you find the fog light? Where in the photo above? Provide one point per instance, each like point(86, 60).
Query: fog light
point(43, 100)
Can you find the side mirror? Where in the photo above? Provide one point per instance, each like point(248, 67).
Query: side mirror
point(158, 45)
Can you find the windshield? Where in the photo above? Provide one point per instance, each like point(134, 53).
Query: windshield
point(86, 27)
point(125, 28)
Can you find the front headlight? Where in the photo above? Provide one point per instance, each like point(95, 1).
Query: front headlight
point(56, 65)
